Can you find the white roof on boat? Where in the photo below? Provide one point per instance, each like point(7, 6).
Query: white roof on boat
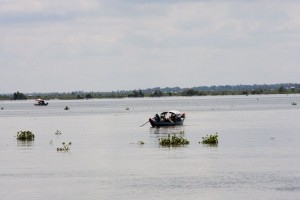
point(176, 112)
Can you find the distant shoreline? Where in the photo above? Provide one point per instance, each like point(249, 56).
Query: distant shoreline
point(285, 88)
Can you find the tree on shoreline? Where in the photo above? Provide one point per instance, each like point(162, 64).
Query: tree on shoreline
point(136, 94)
point(19, 96)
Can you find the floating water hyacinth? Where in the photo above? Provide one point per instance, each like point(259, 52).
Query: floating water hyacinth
point(25, 135)
point(141, 142)
point(210, 139)
point(173, 141)
point(67, 108)
point(65, 147)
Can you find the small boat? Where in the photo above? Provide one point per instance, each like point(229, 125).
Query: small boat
point(168, 118)
point(40, 102)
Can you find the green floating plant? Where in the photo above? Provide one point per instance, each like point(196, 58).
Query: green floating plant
point(210, 139)
point(25, 135)
point(173, 141)
point(67, 108)
point(65, 147)
point(141, 142)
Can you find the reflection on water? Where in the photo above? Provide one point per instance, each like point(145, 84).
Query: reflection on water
point(167, 130)
point(209, 145)
point(257, 156)
point(24, 143)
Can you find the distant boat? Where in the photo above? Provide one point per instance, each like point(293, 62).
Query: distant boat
point(168, 118)
point(40, 102)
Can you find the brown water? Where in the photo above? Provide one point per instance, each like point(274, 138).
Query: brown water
point(258, 156)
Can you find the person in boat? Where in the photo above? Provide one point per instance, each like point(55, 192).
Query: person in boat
point(172, 117)
point(157, 118)
point(183, 115)
point(163, 118)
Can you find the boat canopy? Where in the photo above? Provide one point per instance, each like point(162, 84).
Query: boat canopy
point(176, 112)
point(172, 112)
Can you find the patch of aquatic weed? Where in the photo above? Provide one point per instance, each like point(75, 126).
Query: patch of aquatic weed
point(65, 147)
point(210, 139)
point(25, 135)
point(173, 140)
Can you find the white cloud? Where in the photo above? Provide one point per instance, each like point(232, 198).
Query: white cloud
point(47, 6)
point(111, 45)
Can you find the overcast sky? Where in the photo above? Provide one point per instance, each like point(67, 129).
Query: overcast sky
point(105, 45)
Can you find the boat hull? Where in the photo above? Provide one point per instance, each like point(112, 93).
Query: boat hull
point(36, 104)
point(155, 123)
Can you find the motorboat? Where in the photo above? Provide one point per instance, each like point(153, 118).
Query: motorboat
point(40, 102)
point(168, 118)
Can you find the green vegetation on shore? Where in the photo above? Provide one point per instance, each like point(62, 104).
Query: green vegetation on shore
point(286, 88)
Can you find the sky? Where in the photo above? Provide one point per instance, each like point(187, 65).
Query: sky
point(110, 45)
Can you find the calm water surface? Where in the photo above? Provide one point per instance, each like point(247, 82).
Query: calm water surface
point(258, 156)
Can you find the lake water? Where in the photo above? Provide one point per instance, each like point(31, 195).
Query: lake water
point(258, 155)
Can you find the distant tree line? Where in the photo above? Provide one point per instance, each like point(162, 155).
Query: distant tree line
point(19, 96)
point(284, 88)
point(135, 93)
